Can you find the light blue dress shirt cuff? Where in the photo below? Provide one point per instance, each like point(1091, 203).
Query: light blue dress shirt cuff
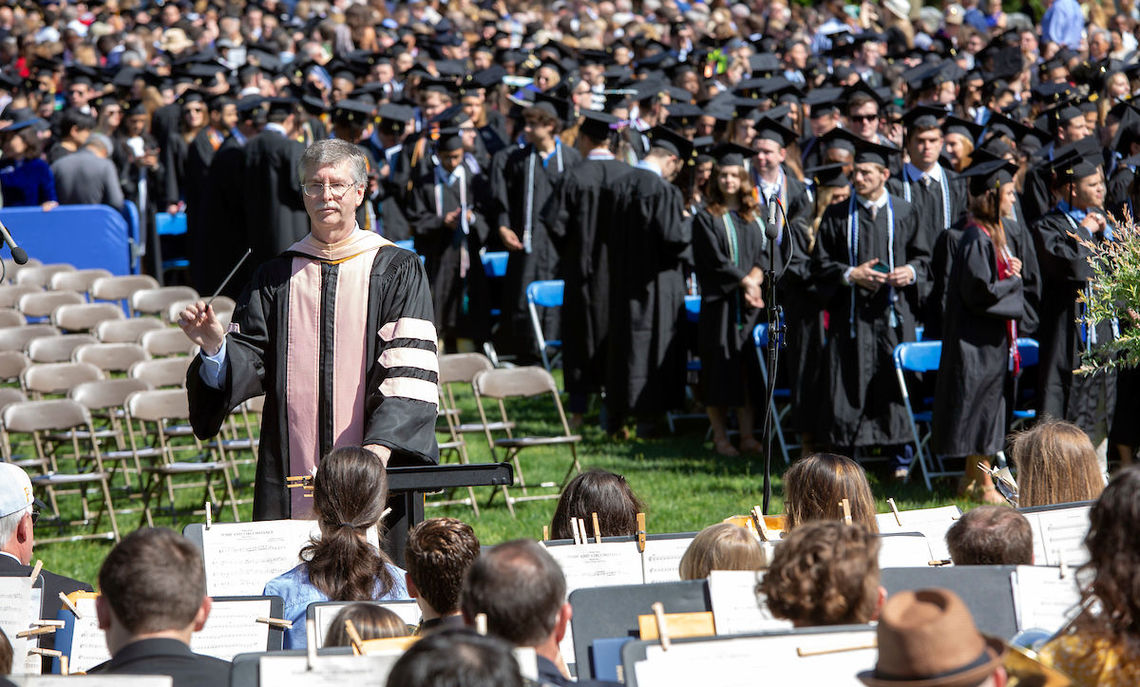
point(213, 368)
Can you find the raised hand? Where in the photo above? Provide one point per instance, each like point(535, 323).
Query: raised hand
point(202, 327)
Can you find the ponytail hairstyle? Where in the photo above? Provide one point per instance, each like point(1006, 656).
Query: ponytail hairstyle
point(350, 491)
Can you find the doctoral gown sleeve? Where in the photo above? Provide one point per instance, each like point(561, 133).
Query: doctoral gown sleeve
point(403, 397)
point(981, 291)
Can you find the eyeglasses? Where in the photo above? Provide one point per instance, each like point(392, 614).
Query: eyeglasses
point(864, 118)
point(317, 190)
point(35, 515)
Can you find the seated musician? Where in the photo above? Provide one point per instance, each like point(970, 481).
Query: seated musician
point(439, 554)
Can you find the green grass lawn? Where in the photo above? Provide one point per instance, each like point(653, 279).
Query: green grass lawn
point(684, 484)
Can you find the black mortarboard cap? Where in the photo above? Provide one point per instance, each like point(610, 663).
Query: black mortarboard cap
point(830, 176)
point(449, 139)
point(764, 63)
point(989, 174)
point(451, 68)
point(439, 85)
point(770, 128)
point(556, 107)
point(1013, 129)
point(597, 125)
point(861, 88)
point(840, 138)
point(246, 105)
point(957, 125)
point(353, 112)
point(671, 141)
point(393, 118)
point(281, 104)
point(1061, 114)
point(824, 100)
point(731, 154)
point(868, 151)
point(683, 114)
point(923, 117)
point(1069, 165)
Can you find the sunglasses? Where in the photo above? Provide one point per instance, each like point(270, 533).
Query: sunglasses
point(863, 118)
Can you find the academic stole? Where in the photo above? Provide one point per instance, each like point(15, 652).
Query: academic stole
point(1003, 264)
point(734, 255)
point(1088, 327)
point(464, 228)
point(528, 221)
point(853, 253)
point(304, 347)
point(944, 187)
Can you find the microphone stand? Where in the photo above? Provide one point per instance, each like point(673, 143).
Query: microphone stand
point(776, 329)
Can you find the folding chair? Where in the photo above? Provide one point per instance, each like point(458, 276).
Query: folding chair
point(121, 288)
point(11, 268)
point(161, 407)
point(10, 317)
point(110, 357)
point(918, 357)
point(42, 305)
point(154, 302)
point(461, 368)
point(162, 343)
point(40, 275)
point(760, 342)
point(10, 294)
point(85, 317)
point(12, 365)
point(36, 418)
point(515, 383)
point(1030, 353)
point(126, 331)
point(547, 294)
point(17, 338)
point(692, 366)
point(165, 372)
point(8, 396)
point(79, 280)
point(56, 379)
point(57, 349)
point(105, 398)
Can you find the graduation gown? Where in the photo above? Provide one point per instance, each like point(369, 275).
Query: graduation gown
point(391, 195)
point(645, 358)
point(1117, 195)
point(521, 183)
point(274, 209)
point(723, 256)
point(224, 233)
point(199, 154)
point(575, 222)
point(863, 404)
point(1065, 272)
point(460, 293)
point(341, 342)
point(970, 412)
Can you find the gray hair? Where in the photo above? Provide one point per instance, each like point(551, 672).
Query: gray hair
point(333, 151)
point(101, 141)
point(9, 522)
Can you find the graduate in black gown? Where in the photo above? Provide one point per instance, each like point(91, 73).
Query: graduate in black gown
point(648, 237)
point(274, 209)
point(1079, 191)
point(869, 252)
point(445, 210)
point(522, 180)
point(984, 307)
point(575, 224)
point(730, 252)
point(199, 154)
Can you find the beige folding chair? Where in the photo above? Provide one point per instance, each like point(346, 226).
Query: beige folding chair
point(110, 357)
point(516, 383)
point(85, 317)
point(40, 275)
point(12, 365)
point(57, 349)
point(11, 268)
point(163, 343)
point(160, 407)
point(35, 419)
point(10, 317)
point(10, 294)
point(17, 338)
point(458, 370)
point(104, 399)
point(154, 302)
point(126, 331)
point(165, 372)
point(8, 396)
point(42, 305)
point(52, 379)
point(121, 288)
point(79, 280)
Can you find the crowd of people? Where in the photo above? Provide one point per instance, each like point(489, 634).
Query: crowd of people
point(875, 170)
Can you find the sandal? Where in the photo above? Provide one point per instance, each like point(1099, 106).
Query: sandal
point(725, 448)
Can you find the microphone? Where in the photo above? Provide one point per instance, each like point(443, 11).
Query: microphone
point(771, 230)
point(18, 254)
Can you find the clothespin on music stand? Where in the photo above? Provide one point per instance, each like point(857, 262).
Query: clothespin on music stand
point(35, 572)
point(49, 623)
point(895, 510)
point(276, 622)
point(846, 506)
point(582, 531)
point(386, 513)
point(574, 530)
point(353, 636)
point(940, 563)
point(1064, 567)
point(209, 514)
point(64, 669)
point(761, 526)
point(49, 653)
point(641, 532)
point(662, 629)
point(481, 623)
point(70, 606)
point(47, 630)
point(597, 529)
point(546, 533)
point(311, 649)
point(301, 482)
point(803, 653)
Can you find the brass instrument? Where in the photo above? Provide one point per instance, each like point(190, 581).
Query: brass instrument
point(1025, 668)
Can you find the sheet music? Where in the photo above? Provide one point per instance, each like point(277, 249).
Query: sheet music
point(232, 629)
point(19, 606)
point(739, 662)
point(736, 605)
point(88, 643)
point(409, 612)
point(93, 680)
point(931, 522)
point(1059, 534)
point(1042, 598)
point(661, 561)
point(328, 671)
point(904, 551)
point(240, 557)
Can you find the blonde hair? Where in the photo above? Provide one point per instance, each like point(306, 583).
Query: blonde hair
point(815, 486)
point(723, 546)
point(1056, 463)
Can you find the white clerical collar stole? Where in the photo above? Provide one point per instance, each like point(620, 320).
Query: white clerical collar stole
point(876, 204)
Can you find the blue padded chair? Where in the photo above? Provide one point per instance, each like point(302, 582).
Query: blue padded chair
point(919, 356)
point(495, 263)
point(166, 224)
point(1029, 350)
point(692, 316)
point(760, 341)
point(548, 294)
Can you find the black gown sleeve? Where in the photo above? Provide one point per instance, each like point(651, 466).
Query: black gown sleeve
point(980, 289)
point(716, 272)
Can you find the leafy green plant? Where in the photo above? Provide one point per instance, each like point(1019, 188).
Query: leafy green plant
point(1115, 293)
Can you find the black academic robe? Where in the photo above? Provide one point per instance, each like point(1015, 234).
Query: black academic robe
point(576, 226)
point(165, 656)
point(863, 404)
point(645, 358)
point(256, 349)
point(224, 232)
point(1118, 194)
point(811, 152)
point(164, 122)
point(274, 208)
point(494, 133)
point(199, 154)
point(391, 197)
point(462, 307)
point(970, 411)
point(174, 153)
point(517, 189)
point(729, 367)
point(1036, 199)
point(1065, 272)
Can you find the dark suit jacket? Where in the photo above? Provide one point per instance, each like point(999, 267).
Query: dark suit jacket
point(167, 657)
point(548, 674)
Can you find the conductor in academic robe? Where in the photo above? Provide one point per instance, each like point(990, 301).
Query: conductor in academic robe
point(337, 332)
point(869, 253)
